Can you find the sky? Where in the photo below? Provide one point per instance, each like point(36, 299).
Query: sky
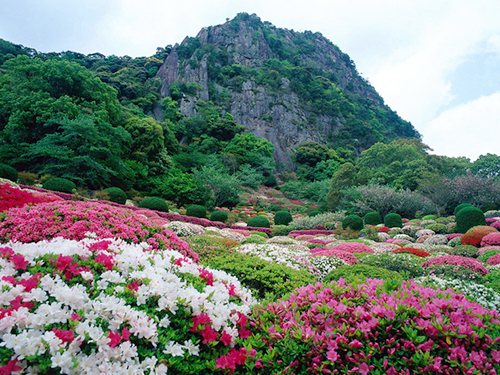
point(436, 63)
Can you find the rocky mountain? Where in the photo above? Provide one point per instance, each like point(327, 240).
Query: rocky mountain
point(288, 87)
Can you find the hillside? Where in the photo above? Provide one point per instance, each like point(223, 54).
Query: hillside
point(285, 86)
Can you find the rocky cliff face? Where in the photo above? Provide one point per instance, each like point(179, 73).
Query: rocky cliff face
point(284, 86)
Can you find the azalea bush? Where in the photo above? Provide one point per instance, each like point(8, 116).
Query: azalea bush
point(346, 256)
point(106, 306)
point(79, 220)
point(406, 264)
point(325, 264)
point(266, 279)
point(372, 327)
point(455, 266)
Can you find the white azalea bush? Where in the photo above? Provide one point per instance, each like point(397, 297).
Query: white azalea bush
point(103, 306)
point(295, 257)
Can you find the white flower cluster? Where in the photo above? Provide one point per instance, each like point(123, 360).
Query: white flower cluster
point(235, 236)
point(296, 257)
point(183, 229)
point(327, 264)
point(100, 302)
point(477, 292)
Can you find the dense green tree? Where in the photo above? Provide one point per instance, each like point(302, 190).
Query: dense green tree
point(343, 178)
point(223, 186)
point(487, 166)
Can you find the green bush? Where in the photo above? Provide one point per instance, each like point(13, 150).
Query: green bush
point(438, 228)
point(264, 277)
point(469, 217)
point(314, 213)
point(460, 206)
point(280, 230)
point(218, 215)
point(282, 218)
point(407, 265)
point(116, 195)
point(59, 184)
point(393, 220)
point(468, 251)
point(154, 203)
point(196, 210)
point(258, 233)
point(359, 270)
point(372, 218)
point(274, 207)
point(254, 239)
point(270, 181)
point(492, 280)
point(8, 172)
point(259, 222)
point(353, 221)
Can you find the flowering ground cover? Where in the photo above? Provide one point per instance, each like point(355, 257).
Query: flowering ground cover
point(89, 287)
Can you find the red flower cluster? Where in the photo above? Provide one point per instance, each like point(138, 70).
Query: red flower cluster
point(11, 197)
point(475, 235)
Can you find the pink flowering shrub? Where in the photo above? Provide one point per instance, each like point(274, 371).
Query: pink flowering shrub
point(353, 247)
point(77, 220)
point(346, 256)
point(454, 265)
point(371, 328)
point(494, 260)
point(296, 233)
point(108, 307)
point(492, 239)
point(495, 225)
point(484, 249)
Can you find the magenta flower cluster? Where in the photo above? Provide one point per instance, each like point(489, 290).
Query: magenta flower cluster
point(494, 260)
point(77, 220)
point(354, 247)
point(492, 239)
point(455, 260)
point(343, 328)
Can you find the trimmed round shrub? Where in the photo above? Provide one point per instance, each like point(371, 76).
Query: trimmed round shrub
point(260, 275)
point(492, 239)
point(361, 271)
point(460, 206)
point(353, 221)
point(475, 235)
point(62, 185)
point(197, 210)
point(372, 218)
point(259, 222)
point(468, 251)
point(314, 213)
point(282, 218)
point(408, 266)
point(154, 203)
point(438, 228)
point(116, 195)
point(8, 172)
point(219, 215)
point(469, 217)
point(257, 233)
point(393, 220)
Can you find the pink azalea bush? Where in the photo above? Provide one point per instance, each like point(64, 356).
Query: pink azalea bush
point(493, 260)
point(371, 327)
point(492, 239)
point(456, 263)
point(78, 220)
point(353, 247)
point(110, 307)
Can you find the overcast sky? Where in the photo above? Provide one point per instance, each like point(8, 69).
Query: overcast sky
point(436, 63)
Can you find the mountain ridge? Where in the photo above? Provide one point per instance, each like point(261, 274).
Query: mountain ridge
point(284, 86)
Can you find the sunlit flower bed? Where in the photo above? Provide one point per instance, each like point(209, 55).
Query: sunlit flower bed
point(370, 328)
point(107, 306)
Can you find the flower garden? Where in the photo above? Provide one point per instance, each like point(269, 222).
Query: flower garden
point(89, 287)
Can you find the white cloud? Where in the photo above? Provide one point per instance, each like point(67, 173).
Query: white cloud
point(469, 129)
